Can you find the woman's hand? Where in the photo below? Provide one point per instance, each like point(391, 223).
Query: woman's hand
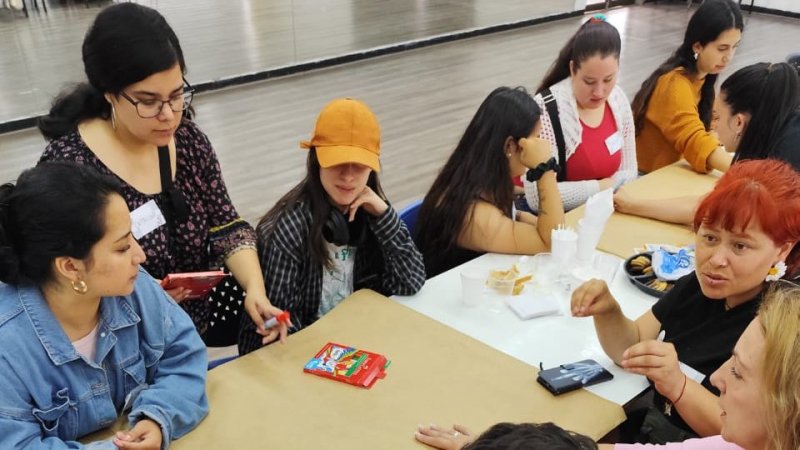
point(535, 151)
point(145, 435)
point(438, 437)
point(371, 202)
point(178, 294)
point(658, 361)
point(593, 299)
point(260, 310)
point(624, 203)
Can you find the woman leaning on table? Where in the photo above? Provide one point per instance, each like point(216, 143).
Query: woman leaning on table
point(468, 209)
point(584, 109)
point(758, 110)
point(673, 108)
point(128, 121)
point(746, 231)
point(758, 385)
point(87, 335)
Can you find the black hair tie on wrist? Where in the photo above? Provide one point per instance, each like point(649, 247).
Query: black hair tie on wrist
point(536, 173)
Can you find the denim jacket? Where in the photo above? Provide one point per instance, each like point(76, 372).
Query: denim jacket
point(150, 362)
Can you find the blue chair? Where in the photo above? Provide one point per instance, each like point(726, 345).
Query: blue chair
point(220, 361)
point(409, 215)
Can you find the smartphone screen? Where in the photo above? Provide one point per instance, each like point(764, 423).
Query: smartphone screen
point(568, 377)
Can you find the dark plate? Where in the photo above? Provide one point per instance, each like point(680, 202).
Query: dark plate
point(641, 280)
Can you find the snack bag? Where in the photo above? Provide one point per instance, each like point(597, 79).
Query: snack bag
point(671, 266)
point(348, 365)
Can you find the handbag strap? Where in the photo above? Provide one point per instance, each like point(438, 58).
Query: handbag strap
point(552, 111)
point(177, 204)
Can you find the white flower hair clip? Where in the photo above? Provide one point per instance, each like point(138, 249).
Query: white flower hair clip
point(777, 271)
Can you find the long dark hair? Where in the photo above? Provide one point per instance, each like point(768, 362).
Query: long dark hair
point(126, 43)
point(710, 20)
point(56, 209)
point(594, 37)
point(477, 169)
point(533, 436)
point(770, 94)
point(311, 192)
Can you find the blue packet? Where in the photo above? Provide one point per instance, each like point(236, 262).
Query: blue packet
point(671, 266)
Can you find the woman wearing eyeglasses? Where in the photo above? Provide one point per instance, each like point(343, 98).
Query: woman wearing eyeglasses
point(133, 120)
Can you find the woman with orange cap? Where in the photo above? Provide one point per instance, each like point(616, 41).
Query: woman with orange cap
point(334, 232)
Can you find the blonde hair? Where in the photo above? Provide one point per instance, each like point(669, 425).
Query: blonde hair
point(779, 317)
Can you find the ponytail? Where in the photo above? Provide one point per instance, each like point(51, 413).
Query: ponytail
point(71, 107)
point(9, 262)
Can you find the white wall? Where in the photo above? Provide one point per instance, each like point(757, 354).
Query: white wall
point(783, 5)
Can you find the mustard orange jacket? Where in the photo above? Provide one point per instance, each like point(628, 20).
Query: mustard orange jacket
point(672, 127)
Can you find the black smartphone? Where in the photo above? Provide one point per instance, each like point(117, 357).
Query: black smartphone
point(568, 377)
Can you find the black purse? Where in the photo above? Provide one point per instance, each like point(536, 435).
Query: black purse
point(226, 300)
point(174, 206)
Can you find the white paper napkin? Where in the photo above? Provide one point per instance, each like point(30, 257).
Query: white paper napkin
point(533, 305)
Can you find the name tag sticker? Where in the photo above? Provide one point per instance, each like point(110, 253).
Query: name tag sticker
point(614, 143)
point(145, 219)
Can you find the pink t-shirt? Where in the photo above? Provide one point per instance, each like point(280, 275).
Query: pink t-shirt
point(709, 443)
point(87, 345)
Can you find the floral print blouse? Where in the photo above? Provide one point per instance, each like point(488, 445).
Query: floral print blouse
point(213, 229)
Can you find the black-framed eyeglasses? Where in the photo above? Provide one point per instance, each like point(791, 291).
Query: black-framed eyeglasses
point(147, 109)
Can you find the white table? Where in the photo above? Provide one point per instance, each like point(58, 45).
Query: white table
point(550, 340)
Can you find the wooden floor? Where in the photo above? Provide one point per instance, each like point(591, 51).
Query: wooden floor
point(423, 99)
point(223, 38)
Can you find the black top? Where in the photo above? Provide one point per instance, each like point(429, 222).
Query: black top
point(701, 330)
point(787, 147)
point(437, 262)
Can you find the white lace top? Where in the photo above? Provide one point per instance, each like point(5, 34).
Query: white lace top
point(575, 193)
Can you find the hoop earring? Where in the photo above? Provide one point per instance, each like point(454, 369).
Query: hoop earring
point(113, 118)
point(80, 287)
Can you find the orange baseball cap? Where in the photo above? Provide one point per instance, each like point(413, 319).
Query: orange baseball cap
point(346, 132)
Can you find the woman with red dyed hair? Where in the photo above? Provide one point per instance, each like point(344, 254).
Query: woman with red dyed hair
point(746, 229)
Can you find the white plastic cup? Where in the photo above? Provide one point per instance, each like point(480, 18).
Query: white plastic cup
point(472, 283)
point(564, 246)
point(544, 269)
point(603, 267)
point(607, 265)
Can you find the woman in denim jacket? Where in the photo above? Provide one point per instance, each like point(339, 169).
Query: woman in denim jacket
point(87, 334)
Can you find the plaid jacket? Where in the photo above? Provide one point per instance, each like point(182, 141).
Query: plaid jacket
point(387, 262)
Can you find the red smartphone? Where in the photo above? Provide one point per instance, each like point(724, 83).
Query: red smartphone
point(198, 283)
